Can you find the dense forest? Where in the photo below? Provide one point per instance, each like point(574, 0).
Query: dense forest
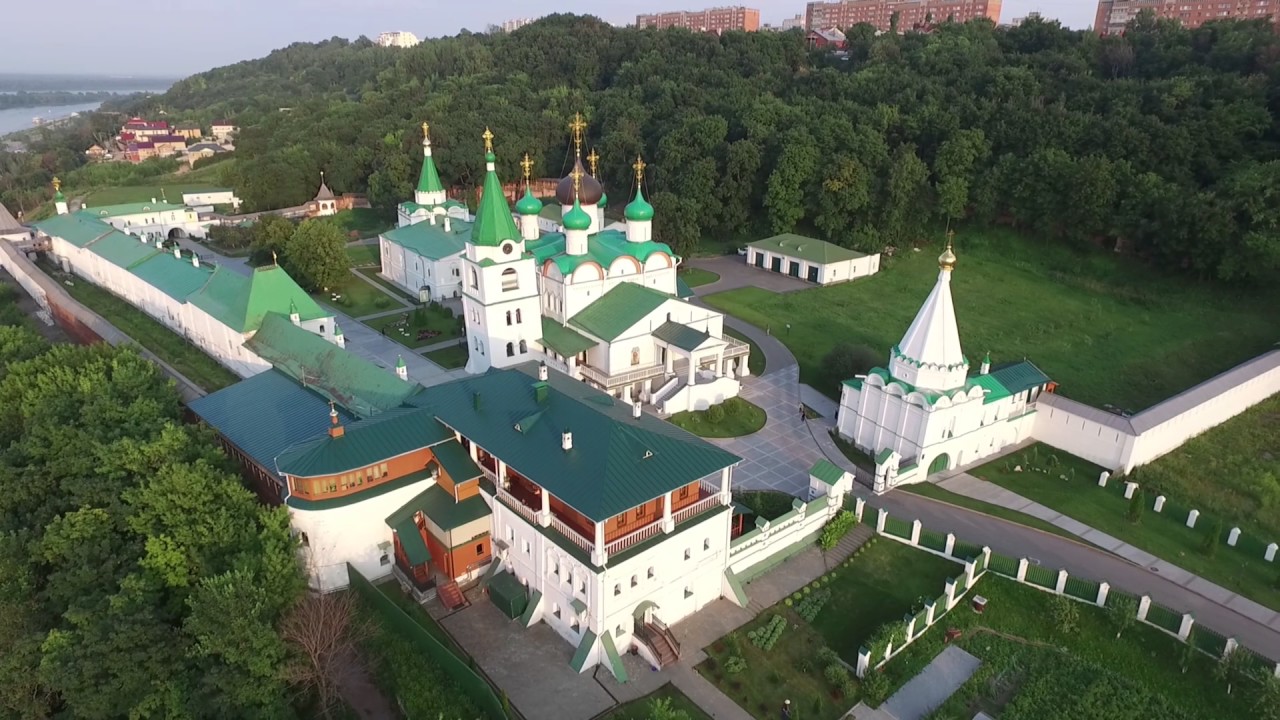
point(1162, 143)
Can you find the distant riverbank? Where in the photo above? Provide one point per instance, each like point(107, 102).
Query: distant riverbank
point(15, 119)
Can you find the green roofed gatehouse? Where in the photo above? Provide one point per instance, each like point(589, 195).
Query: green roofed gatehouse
point(810, 259)
point(553, 284)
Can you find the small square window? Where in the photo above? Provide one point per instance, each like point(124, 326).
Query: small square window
point(479, 549)
point(385, 560)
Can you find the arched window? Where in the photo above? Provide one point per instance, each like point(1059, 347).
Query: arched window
point(519, 317)
point(508, 317)
point(524, 347)
point(510, 280)
point(475, 279)
point(511, 350)
point(634, 581)
point(635, 356)
point(321, 329)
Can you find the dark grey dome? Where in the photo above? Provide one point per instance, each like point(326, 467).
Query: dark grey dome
point(589, 193)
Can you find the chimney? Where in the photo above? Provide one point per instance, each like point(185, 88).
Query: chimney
point(432, 218)
point(566, 440)
point(335, 430)
point(153, 201)
point(540, 391)
point(195, 260)
point(446, 224)
point(636, 409)
point(177, 252)
point(475, 400)
point(542, 372)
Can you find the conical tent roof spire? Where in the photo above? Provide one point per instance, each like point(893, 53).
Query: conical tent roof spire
point(494, 224)
point(930, 350)
point(428, 178)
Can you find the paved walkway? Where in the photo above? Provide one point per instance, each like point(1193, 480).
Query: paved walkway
point(735, 273)
point(925, 692)
point(965, 484)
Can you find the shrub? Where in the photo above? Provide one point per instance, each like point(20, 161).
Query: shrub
point(836, 675)
point(807, 590)
point(1209, 544)
point(735, 664)
point(1137, 506)
point(875, 688)
point(836, 528)
point(796, 596)
point(1065, 614)
point(382, 301)
point(734, 406)
point(846, 360)
point(788, 602)
point(812, 604)
point(715, 414)
point(767, 636)
point(827, 655)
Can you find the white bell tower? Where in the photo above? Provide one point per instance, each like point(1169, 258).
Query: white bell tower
point(500, 300)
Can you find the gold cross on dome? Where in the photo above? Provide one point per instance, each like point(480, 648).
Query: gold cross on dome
point(577, 179)
point(576, 127)
point(594, 159)
point(950, 235)
point(57, 184)
point(488, 140)
point(639, 167)
point(527, 165)
point(426, 129)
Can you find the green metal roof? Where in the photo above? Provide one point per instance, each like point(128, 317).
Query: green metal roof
point(682, 289)
point(171, 276)
point(265, 414)
point(123, 250)
point(681, 336)
point(494, 222)
point(242, 302)
point(340, 375)
point(437, 504)
point(456, 461)
point(992, 389)
point(429, 179)
point(576, 218)
point(883, 455)
point(618, 310)
point(431, 241)
point(1019, 376)
point(564, 340)
point(602, 248)
point(415, 548)
point(639, 210)
point(363, 443)
point(132, 209)
point(617, 462)
point(528, 205)
point(827, 472)
point(585, 646)
point(77, 228)
point(806, 248)
point(412, 207)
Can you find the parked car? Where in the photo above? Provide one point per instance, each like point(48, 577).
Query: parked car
point(742, 251)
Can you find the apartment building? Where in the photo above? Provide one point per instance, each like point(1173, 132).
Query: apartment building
point(1114, 15)
point(716, 20)
point(911, 13)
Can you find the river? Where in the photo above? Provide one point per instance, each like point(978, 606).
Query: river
point(14, 119)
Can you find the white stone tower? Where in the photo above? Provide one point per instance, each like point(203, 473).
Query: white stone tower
point(929, 355)
point(499, 282)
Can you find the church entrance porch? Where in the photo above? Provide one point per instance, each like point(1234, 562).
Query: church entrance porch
point(940, 463)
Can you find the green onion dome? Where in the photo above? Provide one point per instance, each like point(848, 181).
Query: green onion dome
point(528, 205)
point(577, 218)
point(604, 201)
point(639, 209)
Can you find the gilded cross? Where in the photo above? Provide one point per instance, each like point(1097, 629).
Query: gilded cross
point(576, 127)
point(57, 184)
point(425, 130)
point(527, 165)
point(639, 167)
point(950, 235)
point(577, 179)
point(594, 159)
point(488, 140)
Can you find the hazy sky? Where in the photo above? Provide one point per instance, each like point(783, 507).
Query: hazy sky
point(171, 37)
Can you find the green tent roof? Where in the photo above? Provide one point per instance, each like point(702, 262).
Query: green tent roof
point(494, 223)
point(439, 506)
point(806, 248)
point(243, 302)
point(77, 228)
point(429, 179)
point(431, 241)
point(618, 310)
point(681, 336)
point(617, 462)
point(340, 375)
point(456, 461)
point(826, 471)
point(564, 340)
point(363, 443)
point(267, 413)
point(1018, 377)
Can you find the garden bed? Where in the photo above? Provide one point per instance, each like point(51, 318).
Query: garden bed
point(734, 417)
point(421, 327)
point(357, 298)
point(449, 358)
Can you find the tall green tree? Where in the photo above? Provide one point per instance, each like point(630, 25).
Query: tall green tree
point(316, 255)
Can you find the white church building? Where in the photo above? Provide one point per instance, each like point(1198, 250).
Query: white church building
point(925, 413)
point(602, 305)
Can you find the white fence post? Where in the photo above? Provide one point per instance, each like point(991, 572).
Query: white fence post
point(1061, 587)
point(1184, 630)
point(858, 506)
point(1144, 604)
point(986, 558)
point(1229, 647)
point(1022, 569)
point(931, 606)
point(1129, 489)
point(1270, 555)
point(970, 569)
point(1192, 517)
point(951, 593)
point(864, 661)
point(1103, 477)
point(915, 532)
point(1103, 588)
point(951, 544)
point(1233, 537)
point(1159, 503)
point(1276, 672)
point(881, 516)
point(911, 627)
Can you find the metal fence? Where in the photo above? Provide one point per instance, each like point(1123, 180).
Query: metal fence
point(966, 550)
point(1208, 640)
point(1042, 576)
point(1004, 565)
point(1164, 617)
point(1081, 588)
point(897, 527)
point(935, 541)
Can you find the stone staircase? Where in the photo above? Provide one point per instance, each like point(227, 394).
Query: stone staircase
point(451, 595)
point(849, 544)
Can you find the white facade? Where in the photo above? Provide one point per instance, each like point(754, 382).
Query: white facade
point(211, 197)
point(398, 38)
point(223, 131)
point(355, 533)
point(780, 261)
point(154, 218)
point(500, 304)
point(429, 278)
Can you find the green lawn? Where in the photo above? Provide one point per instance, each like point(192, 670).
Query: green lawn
point(364, 255)
point(755, 361)
point(186, 358)
point(357, 298)
point(1044, 681)
point(768, 504)
point(454, 356)
point(885, 580)
point(1163, 534)
point(737, 417)
point(853, 454)
point(880, 583)
point(641, 709)
point(118, 195)
point(364, 222)
point(694, 277)
point(371, 273)
point(1231, 471)
point(404, 327)
point(930, 490)
point(1106, 329)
